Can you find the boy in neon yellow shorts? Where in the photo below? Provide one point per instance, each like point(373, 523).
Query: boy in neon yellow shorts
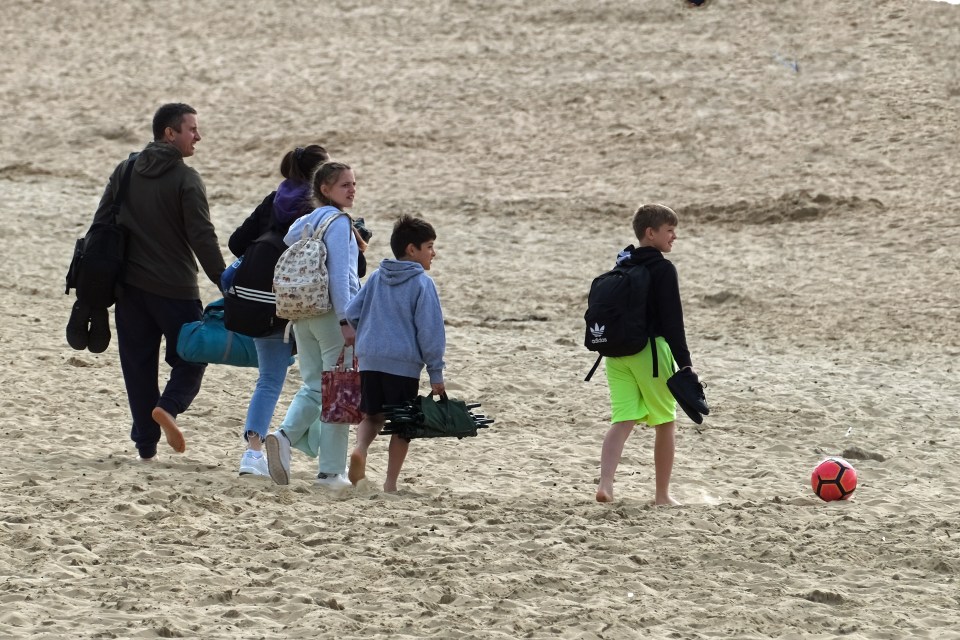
point(636, 394)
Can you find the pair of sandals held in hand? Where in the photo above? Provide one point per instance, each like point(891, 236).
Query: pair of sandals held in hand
point(687, 389)
point(88, 328)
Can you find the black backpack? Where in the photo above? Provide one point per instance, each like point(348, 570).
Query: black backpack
point(249, 302)
point(99, 258)
point(616, 315)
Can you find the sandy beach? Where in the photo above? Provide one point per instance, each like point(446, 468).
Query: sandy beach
point(810, 150)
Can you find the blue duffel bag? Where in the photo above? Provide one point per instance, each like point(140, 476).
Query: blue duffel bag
point(207, 340)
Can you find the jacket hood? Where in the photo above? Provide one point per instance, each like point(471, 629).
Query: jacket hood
point(291, 202)
point(394, 272)
point(312, 219)
point(156, 159)
point(645, 256)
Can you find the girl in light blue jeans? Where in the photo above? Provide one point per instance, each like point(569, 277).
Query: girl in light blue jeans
point(291, 200)
point(273, 357)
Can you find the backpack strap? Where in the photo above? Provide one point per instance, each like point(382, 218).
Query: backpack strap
point(593, 369)
point(653, 355)
point(124, 185)
point(322, 229)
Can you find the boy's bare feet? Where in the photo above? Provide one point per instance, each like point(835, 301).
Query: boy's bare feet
point(666, 502)
point(170, 429)
point(358, 467)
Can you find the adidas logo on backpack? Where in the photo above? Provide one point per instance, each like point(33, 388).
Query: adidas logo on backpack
point(597, 332)
point(616, 313)
point(300, 281)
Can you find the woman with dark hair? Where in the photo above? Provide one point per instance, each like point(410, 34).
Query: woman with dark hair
point(291, 200)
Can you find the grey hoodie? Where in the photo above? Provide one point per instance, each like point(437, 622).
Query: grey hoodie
point(399, 322)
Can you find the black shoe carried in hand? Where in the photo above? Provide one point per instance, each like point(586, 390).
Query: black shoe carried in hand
point(88, 328)
point(99, 338)
point(688, 392)
point(78, 330)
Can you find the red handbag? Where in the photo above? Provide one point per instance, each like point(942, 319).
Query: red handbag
point(340, 391)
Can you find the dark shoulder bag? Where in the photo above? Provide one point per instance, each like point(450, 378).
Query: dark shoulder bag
point(99, 257)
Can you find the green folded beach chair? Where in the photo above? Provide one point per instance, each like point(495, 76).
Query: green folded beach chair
point(429, 418)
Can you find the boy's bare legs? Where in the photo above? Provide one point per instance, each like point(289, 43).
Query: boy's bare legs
point(610, 457)
point(395, 458)
point(664, 447)
point(367, 430)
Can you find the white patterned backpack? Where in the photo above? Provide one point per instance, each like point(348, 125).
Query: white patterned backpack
point(300, 279)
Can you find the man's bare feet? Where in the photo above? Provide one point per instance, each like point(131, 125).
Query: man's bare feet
point(666, 502)
point(170, 429)
point(358, 467)
point(390, 488)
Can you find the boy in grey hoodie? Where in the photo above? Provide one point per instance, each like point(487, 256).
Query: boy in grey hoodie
point(399, 324)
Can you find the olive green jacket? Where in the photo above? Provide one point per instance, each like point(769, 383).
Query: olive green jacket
point(166, 213)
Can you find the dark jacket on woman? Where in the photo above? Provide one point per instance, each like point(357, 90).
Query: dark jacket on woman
point(277, 212)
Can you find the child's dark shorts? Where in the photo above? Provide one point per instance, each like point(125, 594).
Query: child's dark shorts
point(378, 389)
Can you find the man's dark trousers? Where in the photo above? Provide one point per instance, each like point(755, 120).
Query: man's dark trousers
point(142, 319)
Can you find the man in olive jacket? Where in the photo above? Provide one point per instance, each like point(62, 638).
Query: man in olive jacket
point(168, 219)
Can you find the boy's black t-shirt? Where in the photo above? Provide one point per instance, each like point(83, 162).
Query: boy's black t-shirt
point(664, 310)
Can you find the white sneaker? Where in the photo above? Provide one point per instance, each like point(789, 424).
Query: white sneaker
point(335, 481)
point(253, 464)
point(278, 457)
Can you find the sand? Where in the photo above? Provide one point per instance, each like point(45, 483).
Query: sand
point(810, 150)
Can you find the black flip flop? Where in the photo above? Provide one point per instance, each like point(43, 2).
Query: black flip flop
point(688, 392)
